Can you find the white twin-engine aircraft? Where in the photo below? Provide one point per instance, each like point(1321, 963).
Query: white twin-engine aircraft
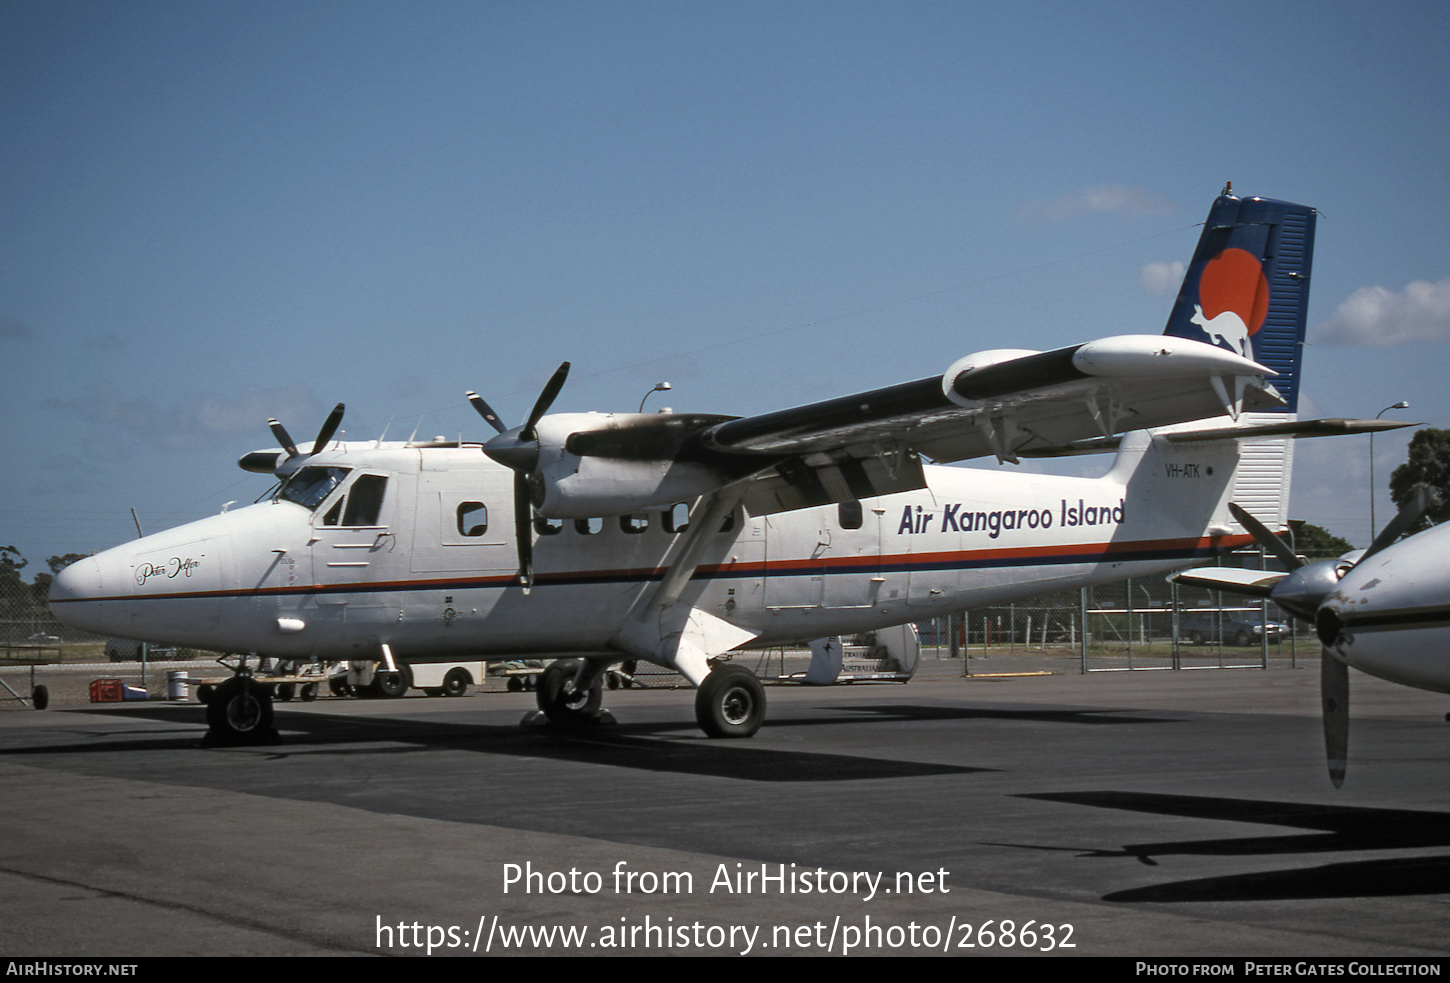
point(718, 531)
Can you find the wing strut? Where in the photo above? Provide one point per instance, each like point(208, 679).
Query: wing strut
point(680, 635)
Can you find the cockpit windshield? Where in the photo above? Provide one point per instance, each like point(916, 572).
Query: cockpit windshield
point(309, 486)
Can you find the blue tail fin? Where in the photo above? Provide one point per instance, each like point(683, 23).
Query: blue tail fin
point(1247, 288)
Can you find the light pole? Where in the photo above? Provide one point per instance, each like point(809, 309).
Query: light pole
point(1401, 405)
point(660, 387)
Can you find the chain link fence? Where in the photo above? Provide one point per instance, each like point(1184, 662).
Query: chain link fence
point(28, 629)
point(1140, 623)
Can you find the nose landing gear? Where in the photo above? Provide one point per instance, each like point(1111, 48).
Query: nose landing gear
point(238, 712)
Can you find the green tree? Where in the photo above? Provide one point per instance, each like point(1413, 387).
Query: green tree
point(1316, 542)
point(59, 563)
point(1428, 467)
point(14, 592)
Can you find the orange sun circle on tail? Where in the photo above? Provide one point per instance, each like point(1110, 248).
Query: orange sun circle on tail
point(1234, 281)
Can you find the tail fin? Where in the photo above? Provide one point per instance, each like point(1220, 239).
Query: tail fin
point(1247, 288)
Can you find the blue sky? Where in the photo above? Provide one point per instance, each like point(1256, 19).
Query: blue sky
point(214, 213)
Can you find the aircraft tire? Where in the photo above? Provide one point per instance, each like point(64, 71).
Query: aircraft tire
point(455, 683)
point(730, 702)
point(392, 684)
point(565, 705)
point(40, 697)
point(240, 712)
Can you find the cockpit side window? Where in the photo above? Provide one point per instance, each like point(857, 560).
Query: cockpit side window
point(309, 486)
point(365, 500)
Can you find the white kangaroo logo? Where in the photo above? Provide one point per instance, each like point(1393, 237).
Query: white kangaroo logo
point(1225, 329)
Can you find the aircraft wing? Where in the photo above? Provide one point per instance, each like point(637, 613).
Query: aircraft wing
point(1005, 406)
point(1001, 404)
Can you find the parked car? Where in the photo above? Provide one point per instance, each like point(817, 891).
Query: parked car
point(1232, 627)
point(129, 650)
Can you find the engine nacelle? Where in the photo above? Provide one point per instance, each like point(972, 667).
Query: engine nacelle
point(568, 486)
point(600, 464)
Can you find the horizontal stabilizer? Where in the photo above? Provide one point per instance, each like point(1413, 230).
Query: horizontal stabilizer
point(1235, 580)
point(1335, 427)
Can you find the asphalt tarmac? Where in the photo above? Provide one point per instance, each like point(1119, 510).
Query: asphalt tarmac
point(1148, 814)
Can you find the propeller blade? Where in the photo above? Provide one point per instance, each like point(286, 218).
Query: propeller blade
point(1266, 539)
point(283, 438)
point(524, 528)
point(329, 427)
point(1407, 517)
point(486, 411)
point(1334, 697)
point(546, 399)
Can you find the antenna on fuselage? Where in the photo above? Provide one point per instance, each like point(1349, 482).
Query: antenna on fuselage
point(139, 533)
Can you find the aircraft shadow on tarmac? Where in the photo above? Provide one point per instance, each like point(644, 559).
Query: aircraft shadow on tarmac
point(623, 746)
point(1338, 829)
point(901, 711)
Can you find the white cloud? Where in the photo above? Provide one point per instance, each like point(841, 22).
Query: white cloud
point(1113, 198)
point(1160, 277)
point(1380, 317)
point(192, 419)
point(248, 412)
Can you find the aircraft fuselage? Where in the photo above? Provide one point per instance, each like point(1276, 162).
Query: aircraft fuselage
point(413, 547)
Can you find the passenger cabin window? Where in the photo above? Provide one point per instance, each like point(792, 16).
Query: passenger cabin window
point(588, 527)
point(472, 519)
point(677, 519)
point(547, 527)
point(634, 524)
point(849, 515)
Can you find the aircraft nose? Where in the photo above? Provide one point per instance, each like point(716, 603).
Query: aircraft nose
point(78, 582)
point(75, 596)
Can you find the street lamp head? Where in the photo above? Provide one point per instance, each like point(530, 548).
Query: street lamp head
point(659, 387)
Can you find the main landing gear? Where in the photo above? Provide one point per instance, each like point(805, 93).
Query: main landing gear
point(729, 703)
